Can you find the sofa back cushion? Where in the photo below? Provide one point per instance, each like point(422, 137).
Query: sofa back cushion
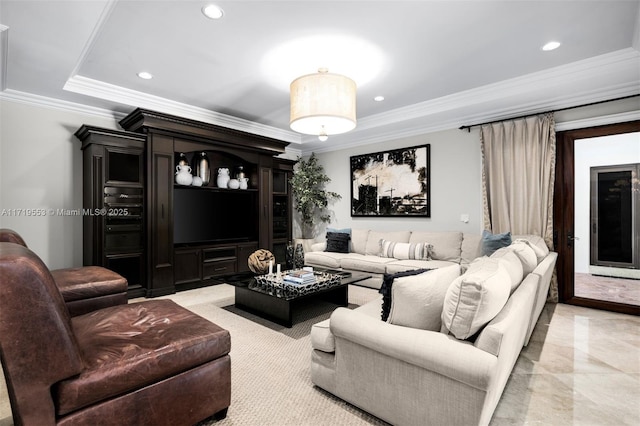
point(359, 240)
point(38, 345)
point(374, 238)
point(536, 243)
point(446, 245)
point(475, 298)
point(512, 264)
point(470, 249)
point(416, 301)
point(526, 255)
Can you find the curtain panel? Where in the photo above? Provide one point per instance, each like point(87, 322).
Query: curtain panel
point(518, 174)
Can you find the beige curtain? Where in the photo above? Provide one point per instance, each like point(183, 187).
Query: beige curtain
point(518, 175)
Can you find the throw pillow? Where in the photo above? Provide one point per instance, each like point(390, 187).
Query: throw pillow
point(338, 242)
point(540, 253)
point(405, 251)
point(492, 242)
point(417, 300)
point(475, 298)
point(387, 284)
point(526, 255)
point(511, 263)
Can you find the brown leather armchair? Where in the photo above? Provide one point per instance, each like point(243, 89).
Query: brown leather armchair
point(83, 289)
point(151, 363)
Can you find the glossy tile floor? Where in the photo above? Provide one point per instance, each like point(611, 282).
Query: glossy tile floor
point(582, 367)
point(611, 289)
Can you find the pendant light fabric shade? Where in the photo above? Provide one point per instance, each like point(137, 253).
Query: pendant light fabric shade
point(323, 104)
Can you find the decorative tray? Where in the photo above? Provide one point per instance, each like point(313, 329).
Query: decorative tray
point(276, 285)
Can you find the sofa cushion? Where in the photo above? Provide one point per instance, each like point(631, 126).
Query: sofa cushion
point(374, 238)
point(492, 242)
point(387, 285)
point(419, 251)
point(321, 337)
point(416, 301)
point(445, 245)
point(87, 282)
point(407, 265)
point(359, 240)
point(512, 264)
point(526, 255)
point(128, 347)
point(325, 259)
point(541, 251)
point(475, 298)
point(373, 264)
point(338, 242)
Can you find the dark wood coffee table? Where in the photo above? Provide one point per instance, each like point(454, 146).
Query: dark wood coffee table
point(279, 308)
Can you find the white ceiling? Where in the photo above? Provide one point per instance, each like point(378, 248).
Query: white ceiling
point(443, 63)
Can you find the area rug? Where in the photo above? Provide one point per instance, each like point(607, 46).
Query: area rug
point(270, 368)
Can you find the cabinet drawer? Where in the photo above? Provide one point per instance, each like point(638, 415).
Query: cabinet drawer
point(217, 268)
point(122, 241)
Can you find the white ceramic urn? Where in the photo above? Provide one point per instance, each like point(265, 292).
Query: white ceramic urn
point(183, 175)
point(223, 177)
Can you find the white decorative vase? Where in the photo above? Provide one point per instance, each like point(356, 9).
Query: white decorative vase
point(197, 181)
point(244, 183)
point(223, 177)
point(183, 175)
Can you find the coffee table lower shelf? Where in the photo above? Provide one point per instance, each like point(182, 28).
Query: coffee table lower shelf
point(280, 310)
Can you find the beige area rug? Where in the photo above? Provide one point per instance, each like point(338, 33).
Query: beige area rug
point(270, 369)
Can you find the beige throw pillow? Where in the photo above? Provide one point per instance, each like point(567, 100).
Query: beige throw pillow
point(526, 255)
point(512, 264)
point(540, 253)
point(475, 298)
point(417, 300)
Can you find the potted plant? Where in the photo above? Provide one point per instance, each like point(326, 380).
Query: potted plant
point(310, 197)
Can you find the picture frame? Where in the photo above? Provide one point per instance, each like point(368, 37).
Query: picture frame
point(393, 183)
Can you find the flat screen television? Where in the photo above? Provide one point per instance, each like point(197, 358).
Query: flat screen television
point(206, 216)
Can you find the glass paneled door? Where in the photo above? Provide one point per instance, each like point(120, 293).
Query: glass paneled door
point(615, 220)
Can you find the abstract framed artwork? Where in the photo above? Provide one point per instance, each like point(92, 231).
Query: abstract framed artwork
point(392, 183)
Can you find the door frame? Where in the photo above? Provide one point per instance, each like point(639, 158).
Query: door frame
point(564, 213)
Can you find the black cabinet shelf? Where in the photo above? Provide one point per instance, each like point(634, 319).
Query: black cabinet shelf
point(212, 188)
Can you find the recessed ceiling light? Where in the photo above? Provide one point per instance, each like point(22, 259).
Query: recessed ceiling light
point(551, 46)
point(379, 98)
point(212, 11)
point(145, 75)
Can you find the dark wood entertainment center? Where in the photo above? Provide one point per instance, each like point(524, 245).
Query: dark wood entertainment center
point(129, 182)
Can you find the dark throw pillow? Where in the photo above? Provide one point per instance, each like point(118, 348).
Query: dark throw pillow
point(385, 289)
point(492, 242)
point(338, 242)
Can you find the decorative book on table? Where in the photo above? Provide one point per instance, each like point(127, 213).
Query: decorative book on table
point(300, 276)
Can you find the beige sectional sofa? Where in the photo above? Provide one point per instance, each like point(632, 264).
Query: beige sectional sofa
point(448, 368)
point(448, 248)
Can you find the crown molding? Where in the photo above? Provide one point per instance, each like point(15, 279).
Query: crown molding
point(58, 104)
point(622, 117)
point(586, 69)
point(133, 98)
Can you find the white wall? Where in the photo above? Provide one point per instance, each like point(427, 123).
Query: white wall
point(593, 152)
point(41, 168)
point(455, 183)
